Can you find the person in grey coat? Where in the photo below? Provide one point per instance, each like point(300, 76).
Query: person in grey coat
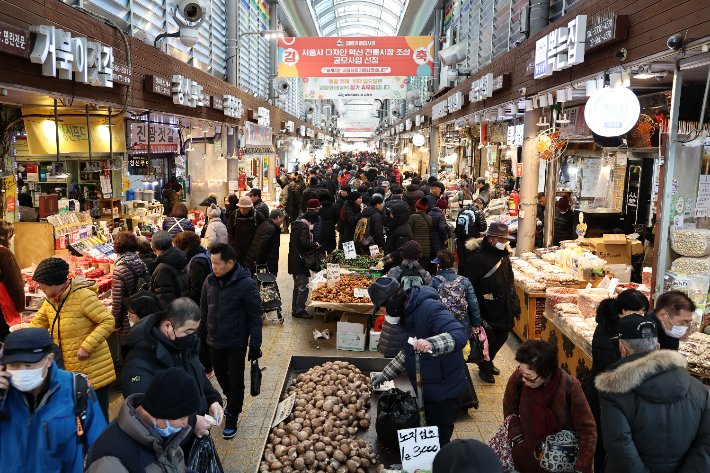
point(655, 416)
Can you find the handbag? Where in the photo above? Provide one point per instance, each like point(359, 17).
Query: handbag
point(255, 386)
point(312, 260)
point(203, 456)
point(558, 452)
point(475, 354)
point(500, 444)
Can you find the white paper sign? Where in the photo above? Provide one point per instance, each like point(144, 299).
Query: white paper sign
point(332, 272)
point(702, 203)
point(678, 222)
point(360, 292)
point(612, 285)
point(374, 251)
point(418, 447)
point(106, 188)
point(283, 410)
point(349, 249)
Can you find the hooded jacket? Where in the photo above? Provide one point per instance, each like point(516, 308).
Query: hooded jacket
point(421, 229)
point(376, 225)
point(46, 441)
point(474, 313)
point(655, 417)
point(400, 232)
point(170, 278)
point(152, 352)
point(439, 231)
point(232, 310)
point(299, 244)
point(264, 248)
point(124, 283)
point(199, 266)
point(329, 215)
point(261, 207)
point(216, 232)
point(129, 445)
point(425, 316)
point(352, 214)
point(82, 322)
point(241, 229)
point(411, 196)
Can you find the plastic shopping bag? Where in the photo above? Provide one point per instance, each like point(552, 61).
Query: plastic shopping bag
point(396, 410)
point(203, 457)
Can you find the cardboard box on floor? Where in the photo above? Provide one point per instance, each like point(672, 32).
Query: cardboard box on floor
point(374, 340)
point(352, 332)
point(614, 249)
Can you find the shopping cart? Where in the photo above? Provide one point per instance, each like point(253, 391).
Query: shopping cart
point(270, 295)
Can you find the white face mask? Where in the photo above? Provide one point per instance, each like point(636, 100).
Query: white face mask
point(677, 331)
point(26, 380)
point(131, 323)
point(501, 246)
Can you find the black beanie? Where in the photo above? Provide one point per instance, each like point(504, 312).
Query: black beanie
point(52, 272)
point(172, 395)
point(466, 456)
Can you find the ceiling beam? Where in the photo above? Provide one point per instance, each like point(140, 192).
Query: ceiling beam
point(299, 16)
point(418, 18)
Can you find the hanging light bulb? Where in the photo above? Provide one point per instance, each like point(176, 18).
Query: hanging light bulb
point(543, 122)
point(562, 119)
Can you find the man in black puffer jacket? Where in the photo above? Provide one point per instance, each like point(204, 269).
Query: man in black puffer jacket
point(169, 279)
point(264, 248)
point(655, 417)
point(376, 222)
point(400, 232)
point(349, 215)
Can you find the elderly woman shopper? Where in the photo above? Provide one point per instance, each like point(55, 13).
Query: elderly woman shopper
point(438, 341)
point(216, 231)
point(545, 400)
point(79, 324)
point(177, 221)
point(12, 287)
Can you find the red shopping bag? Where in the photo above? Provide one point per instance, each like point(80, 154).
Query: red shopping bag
point(8, 307)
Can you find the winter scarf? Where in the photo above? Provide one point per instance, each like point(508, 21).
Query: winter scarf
point(544, 421)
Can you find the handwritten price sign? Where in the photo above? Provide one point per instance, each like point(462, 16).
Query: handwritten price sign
point(418, 447)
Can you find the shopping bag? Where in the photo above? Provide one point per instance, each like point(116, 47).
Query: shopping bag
point(255, 387)
point(558, 452)
point(475, 352)
point(7, 307)
point(396, 410)
point(203, 457)
point(500, 444)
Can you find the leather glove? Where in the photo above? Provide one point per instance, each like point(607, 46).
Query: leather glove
point(378, 379)
point(254, 353)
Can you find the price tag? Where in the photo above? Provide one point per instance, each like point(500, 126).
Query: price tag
point(332, 272)
point(360, 292)
point(612, 285)
point(349, 249)
point(374, 251)
point(418, 447)
point(678, 222)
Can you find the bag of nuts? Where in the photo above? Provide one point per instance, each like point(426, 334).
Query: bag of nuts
point(691, 242)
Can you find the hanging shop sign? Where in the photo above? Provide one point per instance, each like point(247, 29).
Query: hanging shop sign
point(334, 88)
point(73, 134)
point(452, 15)
point(439, 110)
point(186, 91)
point(576, 127)
point(257, 139)
point(455, 102)
point(484, 87)
point(122, 73)
point(355, 56)
point(67, 57)
point(217, 102)
point(302, 130)
point(561, 48)
point(612, 112)
point(14, 40)
point(408, 124)
point(233, 107)
point(10, 191)
point(138, 166)
point(605, 31)
point(163, 138)
point(158, 85)
point(263, 116)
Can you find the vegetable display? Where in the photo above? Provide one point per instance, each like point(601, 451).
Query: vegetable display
point(343, 291)
point(360, 262)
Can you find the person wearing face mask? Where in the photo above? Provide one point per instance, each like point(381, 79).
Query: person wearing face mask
point(655, 417)
point(38, 426)
point(543, 400)
point(78, 323)
point(147, 433)
point(439, 339)
point(672, 314)
point(169, 340)
point(489, 270)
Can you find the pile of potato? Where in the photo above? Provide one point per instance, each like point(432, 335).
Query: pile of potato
point(320, 435)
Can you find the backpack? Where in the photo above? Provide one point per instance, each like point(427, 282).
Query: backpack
point(362, 233)
point(142, 282)
point(409, 277)
point(453, 296)
point(203, 256)
point(180, 277)
point(466, 224)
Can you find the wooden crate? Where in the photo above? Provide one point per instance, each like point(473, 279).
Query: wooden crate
point(532, 305)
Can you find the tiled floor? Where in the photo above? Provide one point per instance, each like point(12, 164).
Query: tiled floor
point(295, 337)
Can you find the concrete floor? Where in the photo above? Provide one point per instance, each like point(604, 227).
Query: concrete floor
point(295, 337)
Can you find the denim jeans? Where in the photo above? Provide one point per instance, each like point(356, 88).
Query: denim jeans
point(300, 293)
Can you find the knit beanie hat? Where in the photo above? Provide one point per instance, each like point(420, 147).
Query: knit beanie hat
point(376, 199)
point(411, 251)
point(443, 204)
point(422, 204)
point(172, 395)
point(466, 456)
point(214, 211)
point(382, 290)
point(52, 272)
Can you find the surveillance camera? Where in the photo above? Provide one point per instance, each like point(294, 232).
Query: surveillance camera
point(522, 91)
point(190, 10)
point(621, 54)
point(675, 42)
point(188, 36)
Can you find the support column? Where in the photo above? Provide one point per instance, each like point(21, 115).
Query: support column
point(433, 163)
point(273, 26)
point(553, 169)
point(232, 43)
point(438, 26)
point(527, 225)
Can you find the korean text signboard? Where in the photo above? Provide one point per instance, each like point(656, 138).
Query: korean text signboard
point(418, 447)
point(163, 138)
point(355, 56)
point(15, 41)
point(334, 88)
point(561, 48)
point(73, 135)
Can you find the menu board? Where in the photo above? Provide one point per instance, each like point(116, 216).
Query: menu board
point(590, 177)
point(702, 203)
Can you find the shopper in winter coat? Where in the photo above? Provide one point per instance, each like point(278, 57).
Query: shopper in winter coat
point(655, 417)
point(489, 270)
point(147, 433)
point(283, 205)
point(178, 222)
point(259, 205)
point(216, 229)
point(349, 215)
point(564, 222)
point(483, 190)
point(439, 341)
point(169, 340)
point(230, 207)
point(376, 222)
point(470, 223)
point(169, 280)
point(10, 277)
point(25, 209)
point(672, 314)
point(301, 243)
point(232, 307)
point(446, 273)
point(469, 456)
point(421, 229)
point(295, 194)
point(199, 265)
point(539, 229)
point(146, 254)
point(400, 232)
point(410, 253)
point(329, 215)
point(545, 400)
point(439, 236)
point(170, 197)
point(79, 324)
point(128, 271)
point(242, 228)
point(310, 192)
point(265, 247)
point(38, 427)
point(412, 195)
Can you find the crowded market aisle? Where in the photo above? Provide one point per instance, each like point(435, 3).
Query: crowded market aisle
point(295, 337)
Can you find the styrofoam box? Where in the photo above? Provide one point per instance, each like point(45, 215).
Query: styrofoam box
point(350, 335)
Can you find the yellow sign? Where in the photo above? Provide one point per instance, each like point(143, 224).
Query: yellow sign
point(73, 135)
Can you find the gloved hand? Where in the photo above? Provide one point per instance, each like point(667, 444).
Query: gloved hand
point(254, 353)
point(378, 379)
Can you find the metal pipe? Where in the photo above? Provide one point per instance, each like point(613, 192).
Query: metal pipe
point(88, 131)
point(273, 24)
point(553, 170)
point(163, 36)
point(438, 26)
point(539, 15)
point(232, 76)
point(705, 103)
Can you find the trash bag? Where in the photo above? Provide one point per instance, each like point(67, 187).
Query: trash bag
point(396, 410)
point(255, 387)
point(203, 457)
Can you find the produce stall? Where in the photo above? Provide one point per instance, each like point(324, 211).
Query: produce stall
point(332, 421)
point(346, 293)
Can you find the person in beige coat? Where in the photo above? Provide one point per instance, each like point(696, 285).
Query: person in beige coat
point(79, 324)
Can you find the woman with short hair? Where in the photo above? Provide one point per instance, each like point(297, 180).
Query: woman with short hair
point(177, 221)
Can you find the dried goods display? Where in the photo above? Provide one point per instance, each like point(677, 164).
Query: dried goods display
point(697, 350)
point(559, 295)
point(691, 242)
point(690, 265)
point(536, 274)
point(589, 300)
point(343, 291)
point(320, 435)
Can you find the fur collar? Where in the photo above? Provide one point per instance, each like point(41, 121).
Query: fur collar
point(474, 243)
point(630, 375)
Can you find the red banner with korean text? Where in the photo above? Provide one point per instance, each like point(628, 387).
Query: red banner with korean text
point(355, 56)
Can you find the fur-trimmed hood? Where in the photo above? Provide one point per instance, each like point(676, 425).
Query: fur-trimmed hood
point(660, 376)
point(473, 244)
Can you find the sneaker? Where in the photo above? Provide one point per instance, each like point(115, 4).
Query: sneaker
point(230, 425)
point(487, 377)
point(495, 370)
point(302, 314)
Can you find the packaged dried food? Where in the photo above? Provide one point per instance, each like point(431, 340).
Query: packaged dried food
point(688, 265)
point(560, 295)
point(691, 242)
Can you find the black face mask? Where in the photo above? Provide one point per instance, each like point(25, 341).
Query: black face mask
point(186, 342)
point(395, 305)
